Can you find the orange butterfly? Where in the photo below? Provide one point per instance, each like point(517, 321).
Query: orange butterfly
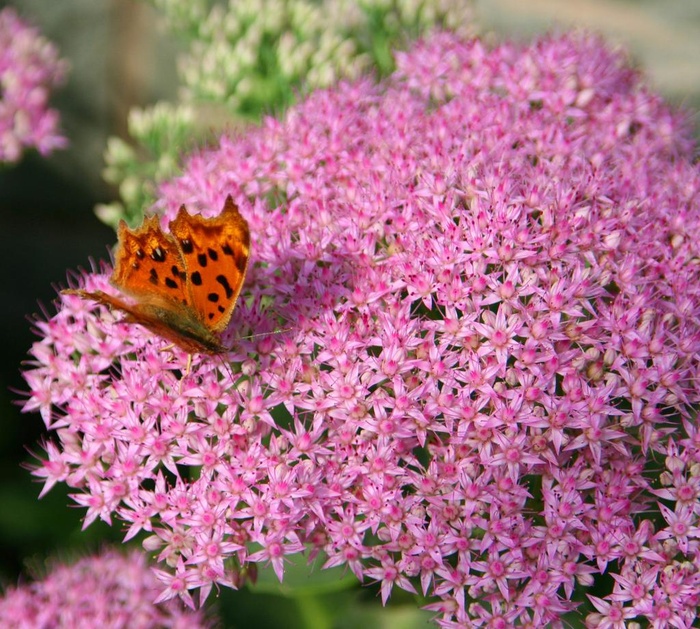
point(185, 284)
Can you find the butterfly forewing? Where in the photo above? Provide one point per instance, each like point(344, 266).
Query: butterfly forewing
point(149, 263)
point(215, 252)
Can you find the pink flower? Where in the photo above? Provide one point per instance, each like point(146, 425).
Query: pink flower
point(29, 69)
point(610, 616)
point(486, 269)
point(107, 590)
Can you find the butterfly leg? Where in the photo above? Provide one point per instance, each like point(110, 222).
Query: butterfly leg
point(187, 372)
point(188, 367)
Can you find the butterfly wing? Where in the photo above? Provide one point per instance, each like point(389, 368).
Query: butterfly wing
point(148, 264)
point(172, 321)
point(215, 253)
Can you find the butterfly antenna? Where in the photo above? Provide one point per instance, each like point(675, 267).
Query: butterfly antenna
point(263, 334)
point(227, 366)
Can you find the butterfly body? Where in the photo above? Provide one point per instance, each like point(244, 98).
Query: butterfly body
point(184, 284)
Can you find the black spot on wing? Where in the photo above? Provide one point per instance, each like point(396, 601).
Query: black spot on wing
point(240, 261)
point(186, 246)
point(153, 277)
point(196, 278)
point(213, 297)
point(202, 259)
point(213, 256)
point(158, 255)
point(140, 254)
point(227, 250)
point(170, 283)
point(226, 286)
point(221, 309)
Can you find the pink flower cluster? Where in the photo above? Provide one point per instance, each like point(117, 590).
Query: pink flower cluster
point(107, 590)
point(29, 69)
point(489, 275)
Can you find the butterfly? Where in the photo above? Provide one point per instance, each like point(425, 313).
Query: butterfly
point(184, 284)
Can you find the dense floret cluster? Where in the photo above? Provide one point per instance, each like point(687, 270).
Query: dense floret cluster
point(487, 270)
point(107, 590)
point(29, 69)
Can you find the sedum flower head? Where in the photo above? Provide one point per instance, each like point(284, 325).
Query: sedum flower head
point(107, 590)
point(488, 270)
point(29, 69)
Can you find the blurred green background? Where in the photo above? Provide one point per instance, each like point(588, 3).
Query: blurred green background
point(121, 58)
